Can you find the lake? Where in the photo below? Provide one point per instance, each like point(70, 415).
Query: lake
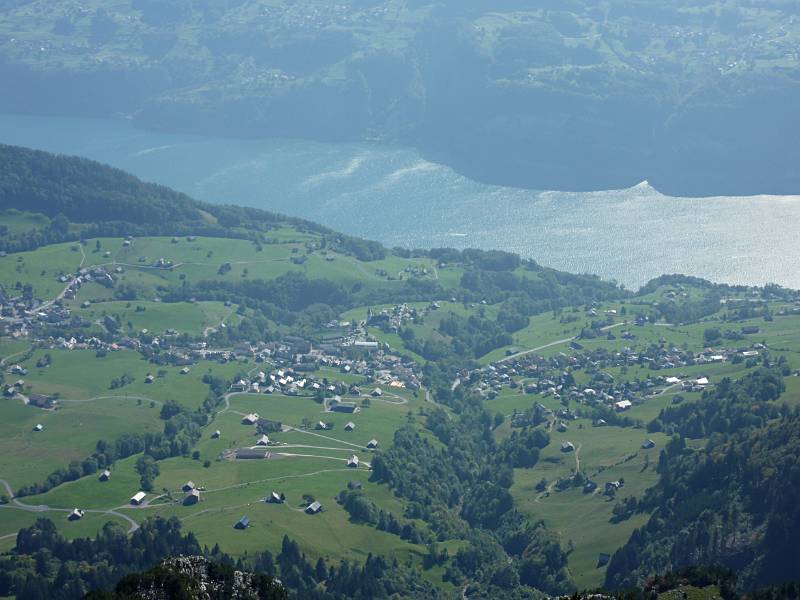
point(391, 194)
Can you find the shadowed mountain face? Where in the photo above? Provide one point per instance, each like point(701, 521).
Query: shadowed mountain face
point(697, 97)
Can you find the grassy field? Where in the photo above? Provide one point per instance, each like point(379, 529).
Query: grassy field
point(605, 454)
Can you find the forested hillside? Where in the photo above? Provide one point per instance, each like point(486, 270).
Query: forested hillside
point(732, 502)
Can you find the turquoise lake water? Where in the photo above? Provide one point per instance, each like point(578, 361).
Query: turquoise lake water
point(391, 194)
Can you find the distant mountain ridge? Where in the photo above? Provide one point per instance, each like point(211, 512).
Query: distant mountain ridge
point(567, 95)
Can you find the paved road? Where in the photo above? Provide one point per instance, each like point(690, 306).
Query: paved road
point(551, 344)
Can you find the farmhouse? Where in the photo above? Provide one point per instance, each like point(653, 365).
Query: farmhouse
point(250, 419)
point(41, 401)
point(242, 523)
point(353, 462)
point(137, 498)
point(76, 514)
point(344, 407)
point(313, 508)
point(192, 497)
point(252, 453)
point(622, 405)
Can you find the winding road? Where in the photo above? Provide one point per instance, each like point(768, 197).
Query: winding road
point(19, 505)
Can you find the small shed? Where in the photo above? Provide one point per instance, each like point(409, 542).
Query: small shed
point(216, 435)
point(105, 475)
point(242, 523)
point(372, 444)
point(567, 447)
point(647, 444)
point(38, 427)
point(314, 508)
point(188, 486)
point(137, 498)
point(263, 441)
point(353, 462)
point(350, 426)
point(274, 498)
point(76, 514)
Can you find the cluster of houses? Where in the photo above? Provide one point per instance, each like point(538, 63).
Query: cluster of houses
point(552, 376)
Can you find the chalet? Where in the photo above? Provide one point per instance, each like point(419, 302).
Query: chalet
point(242, 523)
point(105, 475)
point(274, 498)
point(76, 514)
point(353, 462)
point(372, 444)
point(567, 446)
point(250, 419)
point(313, 508)
point(350, 426)
point(188, 486)
point(137, 498)
point(647, 444)
point(263, 441)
